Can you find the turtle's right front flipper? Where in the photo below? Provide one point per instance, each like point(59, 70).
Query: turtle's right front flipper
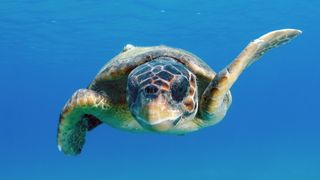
point(216, 99)
point(80, 114)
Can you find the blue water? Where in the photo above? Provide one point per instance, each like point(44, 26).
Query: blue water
point(49, 49)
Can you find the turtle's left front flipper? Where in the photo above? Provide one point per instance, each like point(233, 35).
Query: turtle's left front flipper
point(80, 114)
point(216, 99)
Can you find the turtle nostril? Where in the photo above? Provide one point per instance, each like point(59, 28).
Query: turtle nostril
point(151, 91)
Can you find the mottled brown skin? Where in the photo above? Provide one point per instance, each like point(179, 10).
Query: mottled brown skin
point(105, 98)
point(152, 103)
point(112, 78)
point(127, 60)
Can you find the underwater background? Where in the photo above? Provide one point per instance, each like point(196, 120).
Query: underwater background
point(50, 48)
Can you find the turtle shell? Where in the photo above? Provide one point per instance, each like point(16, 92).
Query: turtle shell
point(112, 78)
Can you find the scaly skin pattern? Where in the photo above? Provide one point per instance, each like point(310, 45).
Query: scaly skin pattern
point(213, 107)
point(73, 123)
point(161, 75)
point(104, 101)
point(162, 90)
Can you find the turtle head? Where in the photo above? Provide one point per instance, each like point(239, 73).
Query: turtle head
point(161, 93)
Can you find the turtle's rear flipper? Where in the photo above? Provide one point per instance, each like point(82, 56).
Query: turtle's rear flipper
point(80, 114)
point(216, 99)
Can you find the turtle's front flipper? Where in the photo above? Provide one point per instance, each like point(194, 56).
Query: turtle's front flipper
point(216, 99)
point(80, 114)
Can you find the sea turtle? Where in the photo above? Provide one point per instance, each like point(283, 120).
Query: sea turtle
point(157, 89)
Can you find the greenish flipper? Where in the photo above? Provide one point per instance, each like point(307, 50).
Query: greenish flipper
point(216, 99)
point(80, 114)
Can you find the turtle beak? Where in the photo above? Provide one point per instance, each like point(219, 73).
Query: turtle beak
point(155, 113)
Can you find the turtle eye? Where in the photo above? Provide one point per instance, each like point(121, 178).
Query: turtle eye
point(179, 89)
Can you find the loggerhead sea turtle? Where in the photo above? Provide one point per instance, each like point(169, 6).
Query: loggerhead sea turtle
point(157, 89)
